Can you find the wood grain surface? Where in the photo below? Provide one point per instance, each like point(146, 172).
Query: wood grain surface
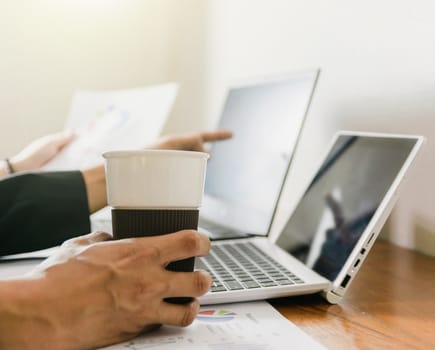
point(389, 305)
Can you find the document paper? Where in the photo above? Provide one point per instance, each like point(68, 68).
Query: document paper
point(113, 120)
point(243, 326)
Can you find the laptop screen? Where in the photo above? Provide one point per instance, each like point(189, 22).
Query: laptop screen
point(245, 174)
point(341, 200)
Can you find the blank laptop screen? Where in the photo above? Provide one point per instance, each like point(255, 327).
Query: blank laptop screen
point(341, 200)
point(245, 174)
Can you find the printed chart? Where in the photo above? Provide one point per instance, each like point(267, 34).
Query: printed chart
point(215, 316)
point(244, 326)
point(113, 120)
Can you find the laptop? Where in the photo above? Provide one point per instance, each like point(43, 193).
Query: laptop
point(330, 232)
point(245, 174)
point(266, 116)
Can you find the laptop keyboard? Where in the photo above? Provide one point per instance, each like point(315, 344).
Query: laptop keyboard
point(237, 266)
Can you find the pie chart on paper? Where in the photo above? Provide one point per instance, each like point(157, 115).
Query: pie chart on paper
point(214, 316)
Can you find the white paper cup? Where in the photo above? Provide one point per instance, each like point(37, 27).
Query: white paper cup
point(155, 179)
point(155, 192)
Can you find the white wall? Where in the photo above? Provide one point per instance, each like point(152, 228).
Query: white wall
point(49, 48)
point(188, 64)
point(378, 74)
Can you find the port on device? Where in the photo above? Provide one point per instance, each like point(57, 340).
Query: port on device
point(371, 237)
point(356, 263)
point(345, 281)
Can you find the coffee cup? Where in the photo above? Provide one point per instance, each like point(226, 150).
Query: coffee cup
point(155, 192)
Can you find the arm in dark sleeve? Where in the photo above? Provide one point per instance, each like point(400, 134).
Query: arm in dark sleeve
point(41, 210)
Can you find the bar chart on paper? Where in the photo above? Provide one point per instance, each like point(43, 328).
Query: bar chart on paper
point(244, 326)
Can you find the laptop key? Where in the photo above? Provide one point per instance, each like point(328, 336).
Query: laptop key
point(233, 285)
point(229, 279)
point(268, 284)
point(251, 284)
point(218, 289)
point(285, 282)
point(245, 279)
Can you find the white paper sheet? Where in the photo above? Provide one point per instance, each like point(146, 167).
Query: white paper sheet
point(113, 120)
point(37, 254)
point(11, 269)
point(242, 326)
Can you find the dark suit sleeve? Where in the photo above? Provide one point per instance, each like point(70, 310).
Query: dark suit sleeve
point(41, 210)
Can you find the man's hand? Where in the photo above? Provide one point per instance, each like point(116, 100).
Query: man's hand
point(94, 293)
point(40, 151)
point(191, 141)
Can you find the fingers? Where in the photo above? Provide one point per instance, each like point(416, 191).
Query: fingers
point(180, 315)
point(161, 250)
point(210, 136)
point(177, 246)
point(187, 284)
point(191, 141)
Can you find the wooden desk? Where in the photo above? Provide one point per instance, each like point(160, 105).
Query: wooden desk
point(390, 305)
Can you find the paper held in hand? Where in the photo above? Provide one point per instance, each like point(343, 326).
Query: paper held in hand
point(113, 120)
